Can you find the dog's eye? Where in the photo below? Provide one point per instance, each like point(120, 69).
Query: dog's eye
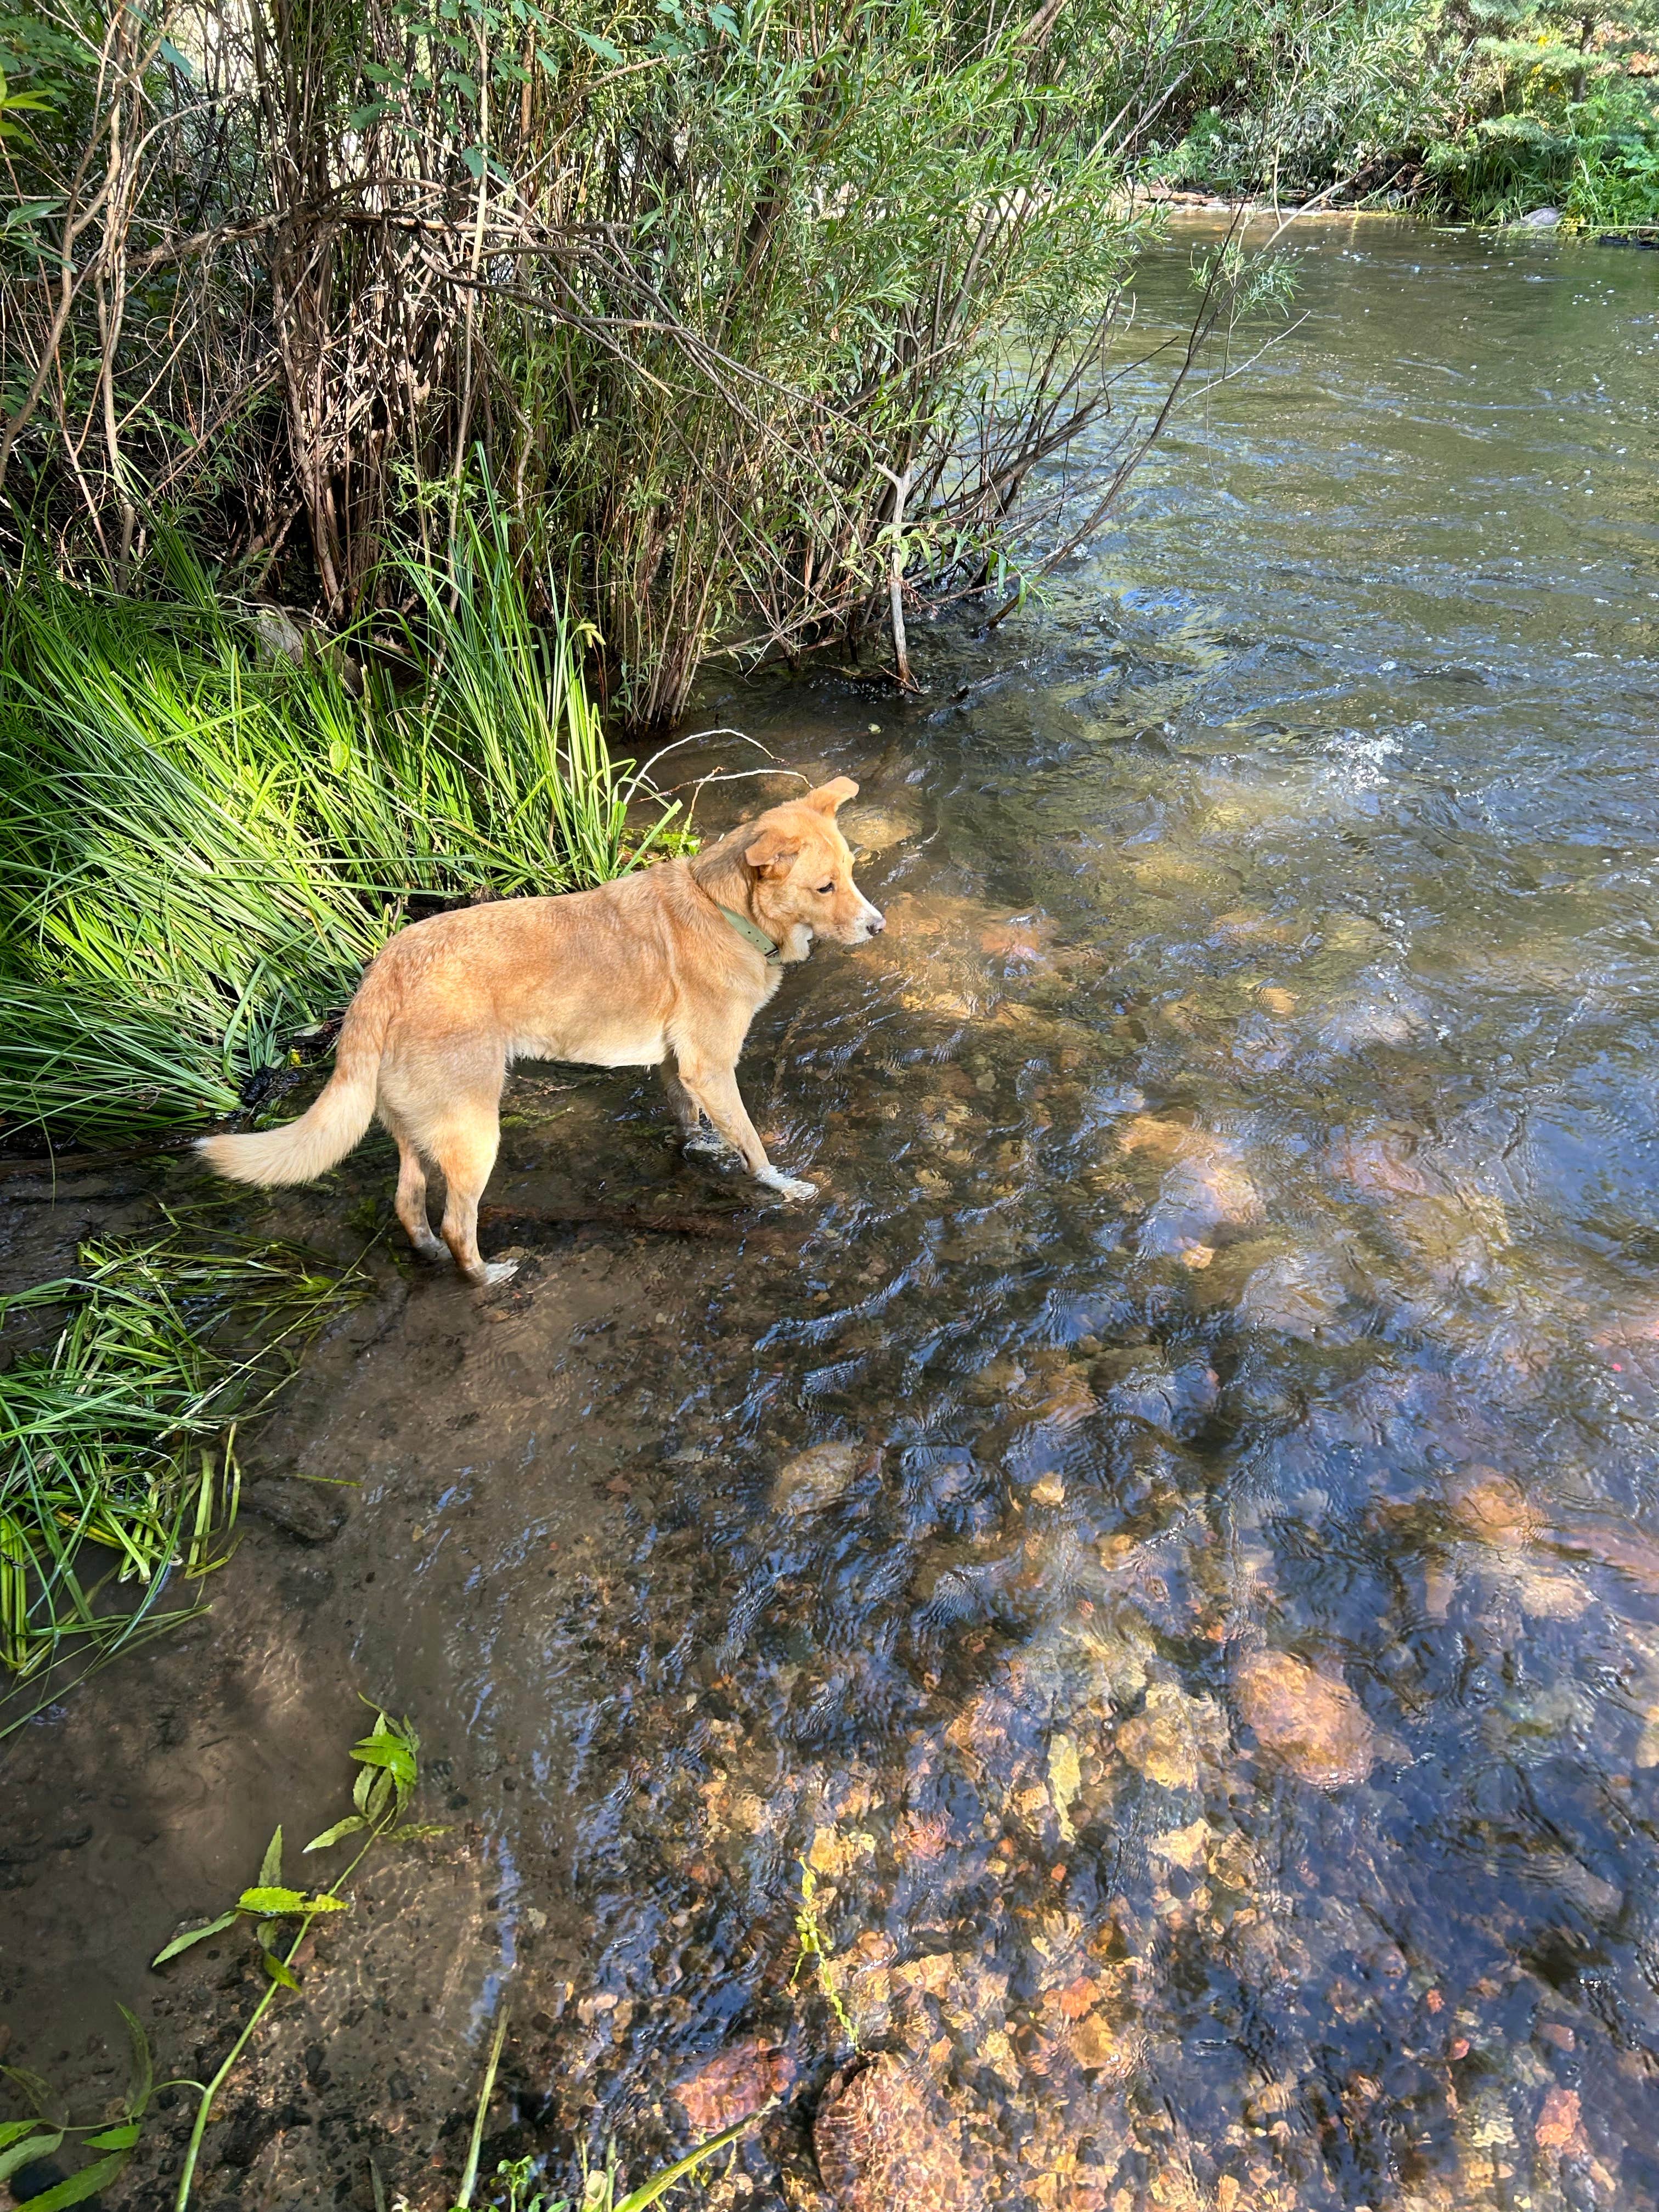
point(824, 890)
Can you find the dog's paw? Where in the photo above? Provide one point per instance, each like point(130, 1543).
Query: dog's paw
point(494, 1272)
point(790, 1189)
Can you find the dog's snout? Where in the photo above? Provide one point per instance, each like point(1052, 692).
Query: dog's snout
point(876, 920)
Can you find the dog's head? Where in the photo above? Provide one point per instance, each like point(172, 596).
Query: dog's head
point(802, 869)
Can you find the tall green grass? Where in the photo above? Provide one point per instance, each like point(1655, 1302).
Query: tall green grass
point(202, 844)
point(120, 1434)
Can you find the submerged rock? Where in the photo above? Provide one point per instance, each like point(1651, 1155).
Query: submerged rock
point(818, 1476)
point(732, 2084)
point(1205, 1186)
point(1138, 1380)
point(1312, 1723)
point(1173, 1736)
point(1385, 1011)
point(874, 828)
point(1492, 1506)
point(310, 1512)
point(885, 2143)
point(1100, 2047)
point(1298, 1294)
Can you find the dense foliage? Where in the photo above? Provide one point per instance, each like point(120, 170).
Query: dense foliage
point(202, 841)
point(743, 311)
point(1481, 108)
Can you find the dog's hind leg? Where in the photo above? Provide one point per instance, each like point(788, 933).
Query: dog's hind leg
point(464, 1145)
point(411, 1197)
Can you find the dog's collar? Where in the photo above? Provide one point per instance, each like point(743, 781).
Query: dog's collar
point(752, 933)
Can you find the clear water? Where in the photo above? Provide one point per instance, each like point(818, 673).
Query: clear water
point(1218, 1689)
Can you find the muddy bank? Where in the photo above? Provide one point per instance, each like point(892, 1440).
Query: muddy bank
point(379, 1551)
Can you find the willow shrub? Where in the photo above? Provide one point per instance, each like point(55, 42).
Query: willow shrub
point(878, 250)
point(202, 846)
point(762, 312)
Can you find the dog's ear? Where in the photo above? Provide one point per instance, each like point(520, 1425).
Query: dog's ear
point(773, 852)
point(829, 796)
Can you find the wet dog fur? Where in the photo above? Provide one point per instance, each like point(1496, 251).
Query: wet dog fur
point(643, 972)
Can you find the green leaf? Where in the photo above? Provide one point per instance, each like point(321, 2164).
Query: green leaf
point(193, 1935)
point(28, 211)
point(39, 2093)
point(171, 55)
point(13, 2132)
point(602, 47)
point(660, 2184)
point(348, 1827)
point(79, 2186)
point(410, 1829)
point(122, 2138)
point(270, 1867)
point(33, 2145)
point(278, 1973)
point(288, 1901)
point(270, 1897)
point(389, 1751)
point(143, 2070)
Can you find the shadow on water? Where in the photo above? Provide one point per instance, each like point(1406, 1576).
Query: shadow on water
point(1210, 1656)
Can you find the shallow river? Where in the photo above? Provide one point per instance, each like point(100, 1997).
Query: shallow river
point(1214, 1671)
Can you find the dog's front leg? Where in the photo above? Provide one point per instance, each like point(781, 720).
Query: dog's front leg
point(685, 1108)
point(714, 1089)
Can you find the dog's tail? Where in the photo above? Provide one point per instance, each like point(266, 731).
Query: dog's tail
point(301, 1151)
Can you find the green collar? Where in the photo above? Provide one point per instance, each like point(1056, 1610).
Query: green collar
point(752, 933)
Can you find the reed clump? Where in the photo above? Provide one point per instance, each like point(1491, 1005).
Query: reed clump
point(118, 1439)
point(203, 841)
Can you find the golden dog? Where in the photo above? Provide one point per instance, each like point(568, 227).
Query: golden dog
point(666, 967)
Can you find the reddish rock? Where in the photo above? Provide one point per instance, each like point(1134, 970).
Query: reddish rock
point(732, 2084)
point(1316, 1726)
point(885, 2143)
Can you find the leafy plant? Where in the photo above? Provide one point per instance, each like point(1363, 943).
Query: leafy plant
point(764, 316)
point(280, 1918)
point(1481, 108)
point(517, 2179)
point(517, 2189)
